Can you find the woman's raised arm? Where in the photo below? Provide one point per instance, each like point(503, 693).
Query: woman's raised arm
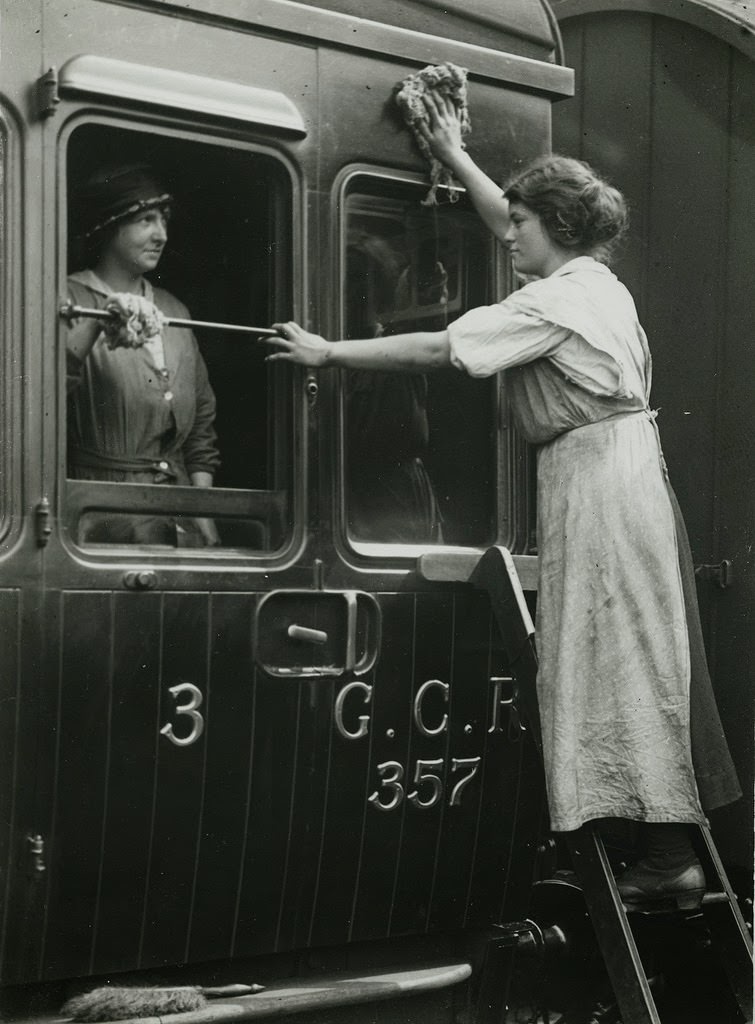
point(443, 136)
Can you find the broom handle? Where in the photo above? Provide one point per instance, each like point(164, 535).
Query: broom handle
point(211, 991)
point(70, 312)
point(214, 991)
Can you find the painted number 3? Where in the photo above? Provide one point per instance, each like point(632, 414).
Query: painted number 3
point(428, 780)
point(189, 709)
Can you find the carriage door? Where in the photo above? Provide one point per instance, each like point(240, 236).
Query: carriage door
point(154, 726)
point(24, 528)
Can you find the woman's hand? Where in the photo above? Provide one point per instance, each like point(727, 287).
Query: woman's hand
point(207, 527)
point(299, 346)
point(443, 132)
point(209, 532)
point(136, 320)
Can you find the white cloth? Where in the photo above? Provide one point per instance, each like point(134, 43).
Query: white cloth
point(613, 683)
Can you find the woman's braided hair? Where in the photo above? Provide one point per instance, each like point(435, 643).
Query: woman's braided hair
point(578, 209)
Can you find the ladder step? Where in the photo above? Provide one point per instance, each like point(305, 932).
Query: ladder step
point(496, 573)
point(667, 905)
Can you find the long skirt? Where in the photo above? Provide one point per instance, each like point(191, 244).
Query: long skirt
point(616, 653)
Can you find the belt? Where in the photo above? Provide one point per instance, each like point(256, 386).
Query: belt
point(87, 458)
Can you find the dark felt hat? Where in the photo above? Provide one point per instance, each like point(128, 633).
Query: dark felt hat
point(114, 193)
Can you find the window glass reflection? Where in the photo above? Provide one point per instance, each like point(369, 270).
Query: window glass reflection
point(420, 450)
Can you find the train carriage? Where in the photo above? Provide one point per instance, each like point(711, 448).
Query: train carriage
point(300, 753)
point(291, 741)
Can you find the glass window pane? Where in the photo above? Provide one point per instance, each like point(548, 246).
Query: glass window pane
point(420, 449)
point(192, 406)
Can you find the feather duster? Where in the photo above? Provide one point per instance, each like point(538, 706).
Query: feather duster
point(113, 1002)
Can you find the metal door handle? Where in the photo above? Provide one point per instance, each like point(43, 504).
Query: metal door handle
point(722, 574)
point(312, 636)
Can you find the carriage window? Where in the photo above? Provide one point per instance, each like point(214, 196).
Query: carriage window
point(420, 450)
point(178, 433)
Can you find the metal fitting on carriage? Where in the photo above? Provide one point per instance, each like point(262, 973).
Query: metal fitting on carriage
point(37, 852)
point(140, 579)
point(529, 937)
point(43, 524)
point(722, 573)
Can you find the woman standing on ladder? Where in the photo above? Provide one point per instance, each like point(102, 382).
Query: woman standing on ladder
point(630, 728)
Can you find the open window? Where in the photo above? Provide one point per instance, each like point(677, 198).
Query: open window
point(422, 459)
point(227, 260)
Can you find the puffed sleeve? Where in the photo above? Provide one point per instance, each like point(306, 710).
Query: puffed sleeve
point(489, 339)
point(581, 319)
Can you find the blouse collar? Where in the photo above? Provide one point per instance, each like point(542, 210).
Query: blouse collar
point(581, 263)
point(90, 280)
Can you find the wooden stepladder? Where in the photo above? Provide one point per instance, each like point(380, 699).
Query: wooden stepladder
point(496, 573)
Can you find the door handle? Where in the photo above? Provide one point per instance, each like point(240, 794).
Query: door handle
point(310, 636)
point(311, 633)
point(722, 574)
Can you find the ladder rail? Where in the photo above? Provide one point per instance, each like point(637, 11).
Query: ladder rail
point(728, 929)
point(496, 573)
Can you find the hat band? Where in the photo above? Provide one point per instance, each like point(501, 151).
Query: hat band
point(137, 207)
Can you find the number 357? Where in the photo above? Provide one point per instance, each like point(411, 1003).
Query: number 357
point(428, 780)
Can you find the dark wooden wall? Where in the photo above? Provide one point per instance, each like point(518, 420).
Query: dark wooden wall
point(667, 112)
point(264, 835)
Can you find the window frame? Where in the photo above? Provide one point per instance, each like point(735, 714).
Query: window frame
point(512, 486)
point(219, 502)
point(17, 322)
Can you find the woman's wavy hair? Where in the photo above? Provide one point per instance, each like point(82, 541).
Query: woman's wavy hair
point(578, 209)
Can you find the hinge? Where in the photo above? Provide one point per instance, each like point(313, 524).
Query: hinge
point(42, 522)
point(47, 93)
point(37, 853)
point(722, 574)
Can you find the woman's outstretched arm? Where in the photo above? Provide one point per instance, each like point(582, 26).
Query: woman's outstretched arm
point(411, 353)
point(443, 136)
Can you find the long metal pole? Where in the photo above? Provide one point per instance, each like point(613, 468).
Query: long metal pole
point(70, 312)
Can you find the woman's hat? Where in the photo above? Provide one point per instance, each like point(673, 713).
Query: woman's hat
point(113, 193)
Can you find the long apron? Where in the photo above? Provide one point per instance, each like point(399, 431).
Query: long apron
point(613, 685)
point(617, 652)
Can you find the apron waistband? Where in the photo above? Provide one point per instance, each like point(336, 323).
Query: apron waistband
point(647, 413)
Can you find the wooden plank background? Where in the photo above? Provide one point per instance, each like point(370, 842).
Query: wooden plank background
point(667, 112)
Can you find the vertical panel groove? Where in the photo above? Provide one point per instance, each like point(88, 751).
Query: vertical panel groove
point(14, 777)
point(105, 804)
point(720, 381)
point(412, 690)
point(52, 847)
point(582, 93)
point(247, 812)
point(156, 762)
point(483, 767)
point(292, 807)
point(651, 156)
point(515, 816)
point(365, 806)
point(439, 840)
point(323, 831)
point(203, 785)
